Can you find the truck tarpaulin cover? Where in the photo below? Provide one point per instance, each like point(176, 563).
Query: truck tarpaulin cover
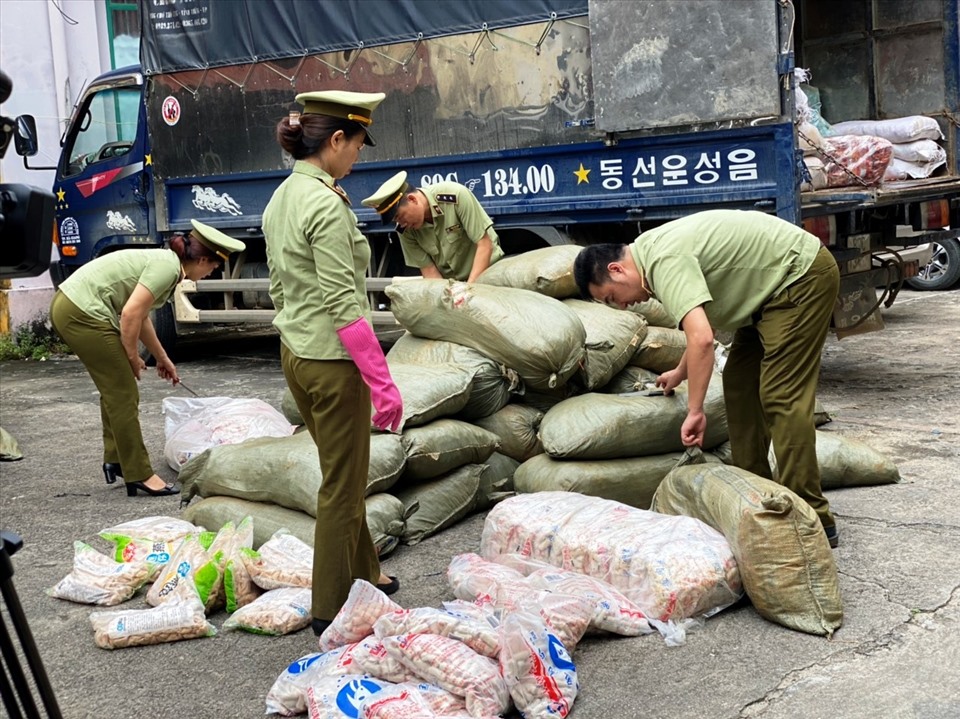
point(195, 34)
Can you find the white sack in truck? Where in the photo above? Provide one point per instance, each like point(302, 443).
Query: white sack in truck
point(538, 336)
point(899, 129)
point(905, 170)
point(671, 567)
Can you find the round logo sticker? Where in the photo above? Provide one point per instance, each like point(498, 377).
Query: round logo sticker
point(171, 110)
point(353, 693)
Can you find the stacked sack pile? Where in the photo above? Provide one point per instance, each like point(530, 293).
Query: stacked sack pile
point(871, 151)
point(510, 384)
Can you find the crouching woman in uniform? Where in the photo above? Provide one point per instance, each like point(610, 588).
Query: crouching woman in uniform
point(331, 359)
point(103, 309)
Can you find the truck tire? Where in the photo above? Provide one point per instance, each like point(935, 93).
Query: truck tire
point(166, 328)
point(942, 271)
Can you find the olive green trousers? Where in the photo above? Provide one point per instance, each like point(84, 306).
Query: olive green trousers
point(770, 383)
point(334, 403)
point(97, 344)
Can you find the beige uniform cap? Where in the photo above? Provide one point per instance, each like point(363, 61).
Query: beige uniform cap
point(214, 239)
point(355, 106)
point(388, 195)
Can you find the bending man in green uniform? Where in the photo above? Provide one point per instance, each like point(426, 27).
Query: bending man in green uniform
point(444, 232)
point(770, 282)
point(103, 309)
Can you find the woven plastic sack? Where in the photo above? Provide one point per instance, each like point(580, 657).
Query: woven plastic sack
point(784, 559)
point(195, 424)
point(443, 445)
point(386, 517)
point(631, 379)
point(671, 567)
point(491, 387)
point(606, 426)
point(660, 350)
point(430, 391)
point(516, 426)
point(631, 481)
point(496, 483)
point(613, 338)
point(442, 502)
point(905, 170)
point(864, 157)
point(654, 313)
point(288, 695)
point(9, 449)
point(898, 129)
point(845, 462)
point(547, 271)
point(495, 321)
point(284, 471)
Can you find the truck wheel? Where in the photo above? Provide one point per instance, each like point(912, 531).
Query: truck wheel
point(166, 328)
point(942, 271)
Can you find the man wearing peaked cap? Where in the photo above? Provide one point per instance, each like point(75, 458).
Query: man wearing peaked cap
point(103, 309)
point(355, 106)
point(444, 232)
point(213, 239)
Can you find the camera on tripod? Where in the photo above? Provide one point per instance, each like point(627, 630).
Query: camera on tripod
point(26, 213)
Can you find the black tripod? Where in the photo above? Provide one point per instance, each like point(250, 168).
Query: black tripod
point(10, 543)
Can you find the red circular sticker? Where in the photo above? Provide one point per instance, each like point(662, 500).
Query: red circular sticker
point(171, 110)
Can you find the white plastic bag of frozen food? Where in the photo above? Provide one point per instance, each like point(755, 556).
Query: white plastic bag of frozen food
point(193, 425)
point(98, 579)
point(170, 622)
point(365, 604)
point(276, 612)
point(537, 668)
point(288, 695)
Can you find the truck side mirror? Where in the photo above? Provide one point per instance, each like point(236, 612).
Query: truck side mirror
point(26, 136)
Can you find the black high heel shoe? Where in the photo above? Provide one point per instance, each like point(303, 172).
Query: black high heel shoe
point(391, 587)
point(112, 470)
point(134, 487)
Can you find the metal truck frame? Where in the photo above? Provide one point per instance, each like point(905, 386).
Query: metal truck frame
point(574, 121)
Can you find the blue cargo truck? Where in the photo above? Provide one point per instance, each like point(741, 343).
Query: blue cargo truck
point(573, 121)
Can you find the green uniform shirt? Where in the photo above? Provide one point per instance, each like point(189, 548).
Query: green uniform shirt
point(729, 261)
point(102, 287)
point(450, 243)
point(318, 260)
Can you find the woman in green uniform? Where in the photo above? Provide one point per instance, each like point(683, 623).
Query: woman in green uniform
point(331, 358)
point(101, 311)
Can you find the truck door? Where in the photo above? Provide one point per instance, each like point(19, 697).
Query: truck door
point(104, 177)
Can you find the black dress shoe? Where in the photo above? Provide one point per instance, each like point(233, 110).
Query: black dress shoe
point(391, 587)
point(112, 470)
point(319, 625)
point(134, 487)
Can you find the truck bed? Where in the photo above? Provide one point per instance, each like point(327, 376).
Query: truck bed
point(889, 193)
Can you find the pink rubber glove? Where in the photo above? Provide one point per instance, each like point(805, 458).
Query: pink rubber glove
point(365, 350)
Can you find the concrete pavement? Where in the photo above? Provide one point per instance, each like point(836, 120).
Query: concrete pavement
point(896, 656)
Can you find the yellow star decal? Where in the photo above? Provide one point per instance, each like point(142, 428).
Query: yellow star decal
point(582, 174)
point(148, 159)
point(61, 195)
